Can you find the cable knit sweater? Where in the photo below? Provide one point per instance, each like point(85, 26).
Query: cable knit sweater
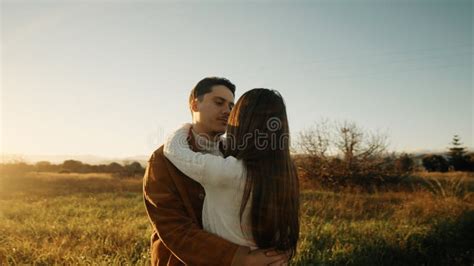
point(223, 180)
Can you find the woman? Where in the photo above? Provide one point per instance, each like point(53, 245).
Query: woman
point(252, 193)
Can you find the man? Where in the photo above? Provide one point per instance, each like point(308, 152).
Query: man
point(174, 201)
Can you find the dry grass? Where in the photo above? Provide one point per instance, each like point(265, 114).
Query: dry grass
point(95, 219)
point(467, 175)
point(56, 176)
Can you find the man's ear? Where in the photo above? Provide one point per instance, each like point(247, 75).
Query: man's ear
point(194, 105)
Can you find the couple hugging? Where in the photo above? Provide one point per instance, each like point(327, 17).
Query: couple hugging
point(223, 190)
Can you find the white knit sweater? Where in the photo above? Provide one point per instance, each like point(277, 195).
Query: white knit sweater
point(223, 180)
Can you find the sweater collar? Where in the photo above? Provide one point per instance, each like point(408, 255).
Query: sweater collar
point(206, 145)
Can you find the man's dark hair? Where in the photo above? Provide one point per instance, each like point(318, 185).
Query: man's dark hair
point(205, 86)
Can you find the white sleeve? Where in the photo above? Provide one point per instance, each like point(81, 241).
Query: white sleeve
point(207, 169)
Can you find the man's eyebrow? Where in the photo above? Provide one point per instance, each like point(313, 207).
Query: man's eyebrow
point(220, 98)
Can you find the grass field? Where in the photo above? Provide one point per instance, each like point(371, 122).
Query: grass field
point(48, 218)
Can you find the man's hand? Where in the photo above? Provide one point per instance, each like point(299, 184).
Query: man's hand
point(244, 256)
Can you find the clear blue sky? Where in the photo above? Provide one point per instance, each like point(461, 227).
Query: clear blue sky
point(111, 78)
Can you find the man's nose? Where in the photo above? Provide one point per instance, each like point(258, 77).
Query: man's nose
point(227, 110)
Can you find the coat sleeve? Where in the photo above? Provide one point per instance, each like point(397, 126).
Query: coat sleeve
point(207, 169)
point(169, 217)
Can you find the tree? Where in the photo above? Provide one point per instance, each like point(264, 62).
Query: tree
point(435, 163)
point(364, 153)
point(315, 142)
point(114, 168)
point(343, 154)
point(457, 155)
point(133, 169)
point(72, 166)
point(43, 166)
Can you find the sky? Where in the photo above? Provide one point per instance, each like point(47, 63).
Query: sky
point(112, 78)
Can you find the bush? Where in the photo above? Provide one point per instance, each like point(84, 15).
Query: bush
point(470, 159)
point(405, 163)
point(131, 170)
point(15, 169)
point(64, 171)
point(435, 163)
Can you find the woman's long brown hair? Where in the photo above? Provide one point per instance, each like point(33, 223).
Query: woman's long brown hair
point(258, 134)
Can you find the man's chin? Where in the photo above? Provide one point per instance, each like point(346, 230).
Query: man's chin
point(220, 130)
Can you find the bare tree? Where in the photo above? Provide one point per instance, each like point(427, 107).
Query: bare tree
point(343, 153)
point(316, 140)
point(314, 143)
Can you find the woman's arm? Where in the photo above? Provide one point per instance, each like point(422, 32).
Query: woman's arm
point(204, 168)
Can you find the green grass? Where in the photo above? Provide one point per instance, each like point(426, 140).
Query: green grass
point(385, 229)
point(94, 219)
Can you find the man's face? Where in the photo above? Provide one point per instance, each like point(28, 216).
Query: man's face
point(214, 109)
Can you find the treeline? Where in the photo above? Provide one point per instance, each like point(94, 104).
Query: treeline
point(133, 169)
point(342, 154)
point(455, 159)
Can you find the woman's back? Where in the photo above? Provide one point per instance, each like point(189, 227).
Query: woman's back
point(221, 214)
point(223, 181)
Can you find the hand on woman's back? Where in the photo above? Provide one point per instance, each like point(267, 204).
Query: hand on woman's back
point(259, 257)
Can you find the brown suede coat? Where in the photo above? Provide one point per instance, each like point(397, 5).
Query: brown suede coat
point(174, 206)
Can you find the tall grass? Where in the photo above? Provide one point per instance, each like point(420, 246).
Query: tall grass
point(64, 219)
point(71, 220)
point(385, 229)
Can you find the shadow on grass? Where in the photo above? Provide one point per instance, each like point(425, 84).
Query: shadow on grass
point(449, 242)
